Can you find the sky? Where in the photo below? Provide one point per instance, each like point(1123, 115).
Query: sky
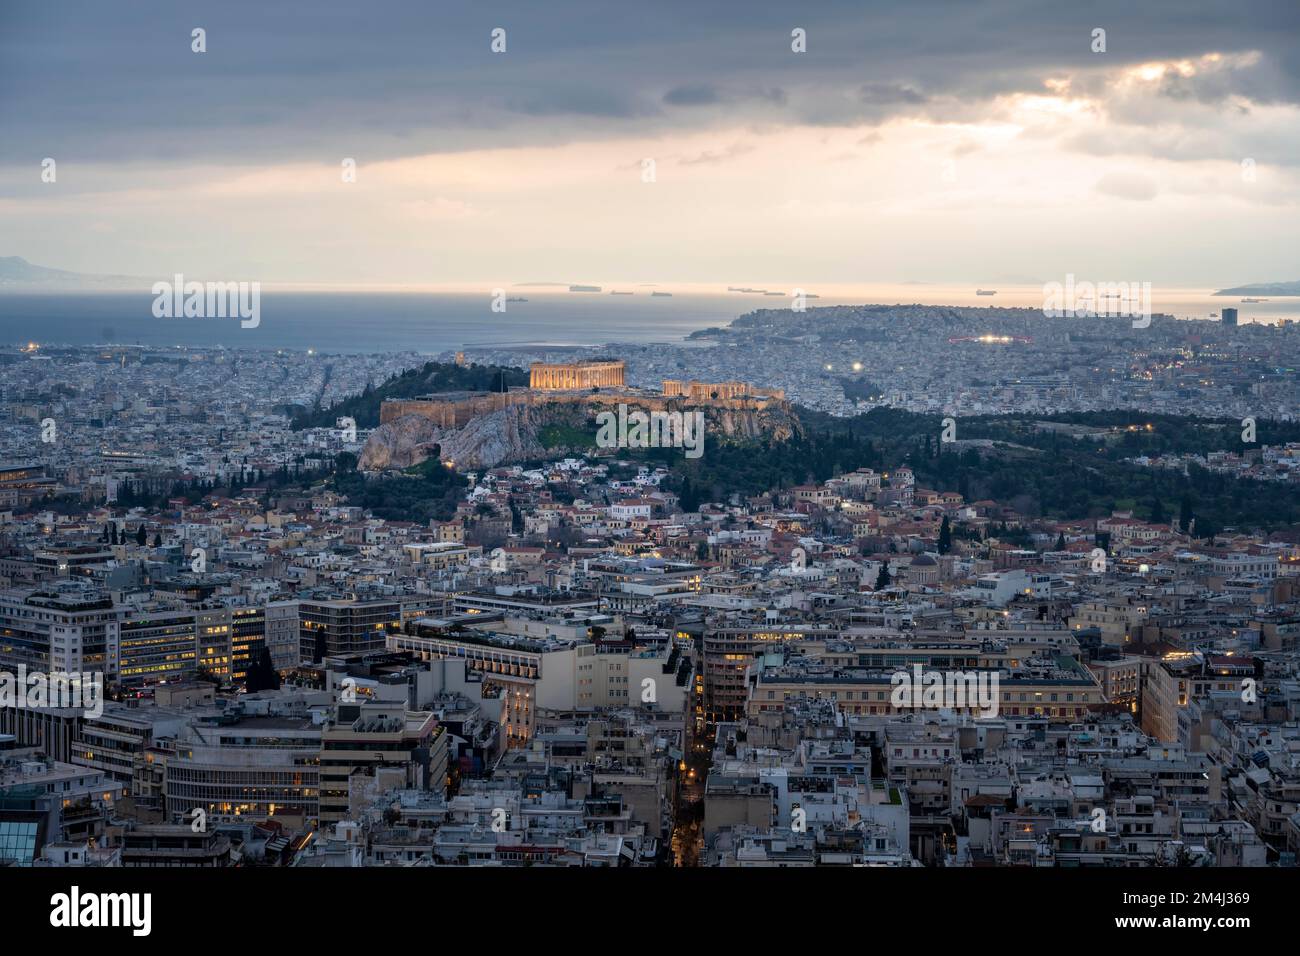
point(670, 142)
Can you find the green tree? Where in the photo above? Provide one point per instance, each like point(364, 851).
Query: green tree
point(262, 674)
point(688, 498)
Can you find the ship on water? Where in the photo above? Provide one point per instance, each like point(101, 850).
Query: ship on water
point(1254, 300)
point(584, 288)
point(617, 292)
point(661, 295)
point(986, 291)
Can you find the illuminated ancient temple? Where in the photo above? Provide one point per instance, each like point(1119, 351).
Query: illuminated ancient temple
point(576, 375)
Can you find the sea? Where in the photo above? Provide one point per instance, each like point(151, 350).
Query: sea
point(433, 323)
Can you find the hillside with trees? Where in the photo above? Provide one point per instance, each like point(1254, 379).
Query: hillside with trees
point(413, 383)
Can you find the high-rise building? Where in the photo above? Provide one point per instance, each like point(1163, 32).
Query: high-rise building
point(159, 644)
point(364, 737)
point(1229, 316)
point(282, 634)
point(69, 627)
point(215, 629)
point(247, 641)
point(346, 627)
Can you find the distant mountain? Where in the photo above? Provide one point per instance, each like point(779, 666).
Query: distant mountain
point(17, 269)
point(1264, 288)
point(16, 273)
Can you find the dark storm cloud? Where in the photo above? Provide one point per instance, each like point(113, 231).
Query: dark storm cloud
point(890, 94)
point(90, 81)
point(590, 101)
point(692, 96)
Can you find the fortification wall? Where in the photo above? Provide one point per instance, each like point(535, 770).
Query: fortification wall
point(459, 411)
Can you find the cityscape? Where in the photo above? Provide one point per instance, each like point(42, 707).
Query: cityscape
point(315, 559)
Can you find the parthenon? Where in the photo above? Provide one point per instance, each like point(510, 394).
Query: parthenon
point(576, 375)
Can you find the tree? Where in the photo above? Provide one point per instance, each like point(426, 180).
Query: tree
point(883, 579)
point(1158, 512)
point(945, 536)
point(262, 674)
point(1185, 514)
point(688, 499)
point(141, 536)
point(1060, 542)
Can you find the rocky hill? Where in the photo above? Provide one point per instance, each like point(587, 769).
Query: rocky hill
point(549, 430)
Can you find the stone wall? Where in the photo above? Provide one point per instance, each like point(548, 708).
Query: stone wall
point(458, 410)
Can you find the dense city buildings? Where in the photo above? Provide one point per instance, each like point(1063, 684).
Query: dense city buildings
point(588, 661)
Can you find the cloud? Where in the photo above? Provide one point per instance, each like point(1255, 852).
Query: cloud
point(889, 94)
point(699, 95)
point(716, 156)
point(589, 101)
point(889, 131)
point(1127, 186)
point(437, 209)
point(294, 80)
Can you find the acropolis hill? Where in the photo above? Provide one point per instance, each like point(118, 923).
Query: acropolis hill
point(580, 383)
point(483, 429)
